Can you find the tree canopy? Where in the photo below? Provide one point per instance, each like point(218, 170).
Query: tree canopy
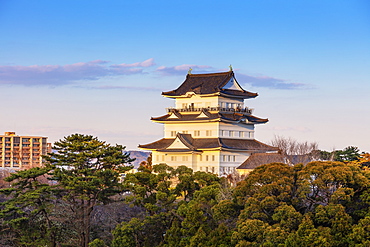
point(321, 203)
point(82, 173)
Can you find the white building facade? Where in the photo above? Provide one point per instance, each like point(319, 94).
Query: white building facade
point(209, 129)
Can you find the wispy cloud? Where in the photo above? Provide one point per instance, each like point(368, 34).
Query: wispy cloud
point(268, 82)
point(80, 73)
point(126, 87)
point(147, 63)
point(182, 69)
point(255, 81)
point(57, 75)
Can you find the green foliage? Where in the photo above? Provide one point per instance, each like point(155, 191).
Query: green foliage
point(87, 171)
point(179, 203)
point(350, 153)
point(26, 213)
point(318, 204)
point(97, 243)
point(146, 232)
point(84, 172)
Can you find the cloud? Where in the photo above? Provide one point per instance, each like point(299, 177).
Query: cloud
point(126, 87)
point(57, 75)
point(182, 69)
point(255, 81)
point(268, 82)
point(147, 63)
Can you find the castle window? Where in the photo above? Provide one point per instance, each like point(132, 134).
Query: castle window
point(206, 157)
point(184, 158)
point(208, 132)
point(200, 157)
point(232, 133)
point(207, 169)
point(196, 132)
point(173, 133)
point(184, 131)
point(213, 158)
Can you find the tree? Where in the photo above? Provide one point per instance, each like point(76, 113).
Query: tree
point(26, 215)
point(179, 205)
point(350, 153)
point(87, 173)
point(318, 204)
point(295, 152)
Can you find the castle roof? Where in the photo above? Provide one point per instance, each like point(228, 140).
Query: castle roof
point(204, 115)
point(185, 143)
point(211, 84)
point(258, 159)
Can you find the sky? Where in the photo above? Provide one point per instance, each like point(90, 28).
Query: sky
point(99, 67)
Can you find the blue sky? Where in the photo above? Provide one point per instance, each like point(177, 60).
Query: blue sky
point(99, 67)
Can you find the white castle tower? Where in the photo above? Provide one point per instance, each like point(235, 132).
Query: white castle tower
point(210, 129)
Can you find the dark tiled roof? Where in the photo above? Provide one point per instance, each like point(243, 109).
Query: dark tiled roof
point(258, 159)
point(209, 143)
point(234, 117)
point(208, 84)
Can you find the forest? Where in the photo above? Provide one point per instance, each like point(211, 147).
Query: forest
point(85, 195)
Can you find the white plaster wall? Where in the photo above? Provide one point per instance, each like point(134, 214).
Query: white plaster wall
point(225, 128)
point(209, 161)
point(230, 166)
point(218, 129)
point(191, 127)
point(199, 162)
point(198, 101)
point(234, 101)
point(196, 161)
point(211, 101)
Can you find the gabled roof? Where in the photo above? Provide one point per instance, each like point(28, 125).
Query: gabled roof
point(208, 116)
point(200, 144)
point(182, 141)
point(212, 83)
point(258, 159)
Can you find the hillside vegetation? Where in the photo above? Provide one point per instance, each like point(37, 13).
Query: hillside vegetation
point(78, 200)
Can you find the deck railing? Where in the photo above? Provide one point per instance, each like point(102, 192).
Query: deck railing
point(220, 109)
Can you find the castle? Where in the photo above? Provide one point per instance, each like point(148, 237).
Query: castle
point(209, 129)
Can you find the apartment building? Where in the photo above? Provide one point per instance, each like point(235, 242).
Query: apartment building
point(22, 152)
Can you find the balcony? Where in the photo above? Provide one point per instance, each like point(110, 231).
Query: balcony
point(218, 109)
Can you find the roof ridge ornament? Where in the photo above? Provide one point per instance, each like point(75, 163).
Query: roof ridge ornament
point(231, 67)
point(189, 71)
